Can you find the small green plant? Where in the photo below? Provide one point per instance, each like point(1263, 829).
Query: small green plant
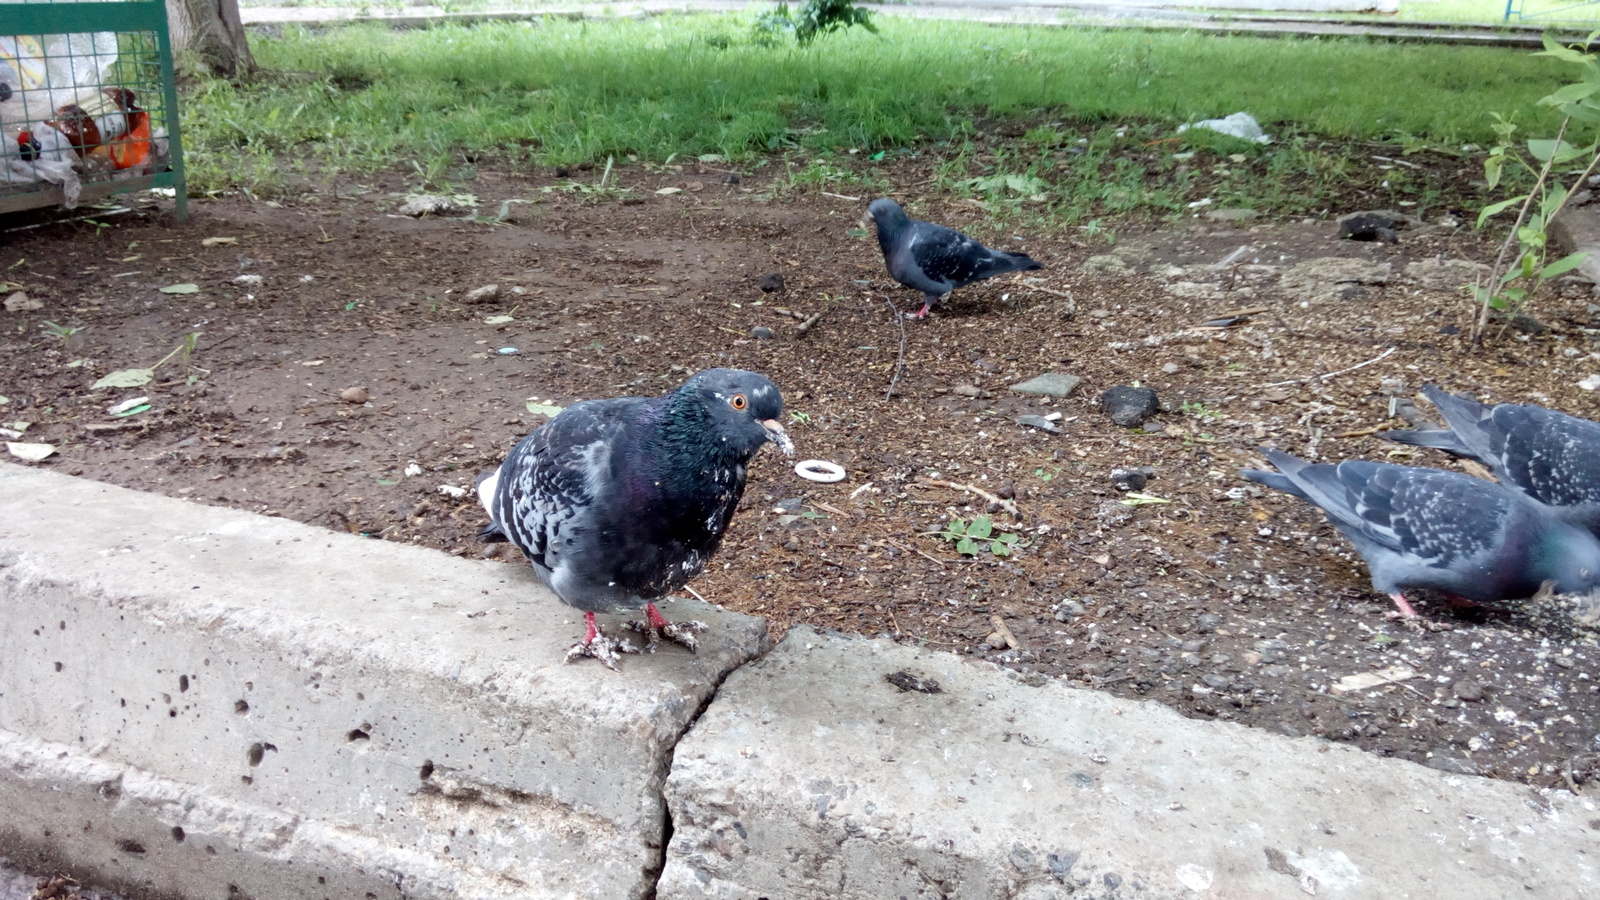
point(62, 333)
point(971, 537)
point(799, 417)
point(1523, 264)
point(811, 20)
point(1045, 475)
point(1198, 410)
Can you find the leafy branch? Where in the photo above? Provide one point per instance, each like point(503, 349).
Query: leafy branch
point(1523, 264)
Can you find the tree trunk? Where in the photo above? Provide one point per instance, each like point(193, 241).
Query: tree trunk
point(208, 38)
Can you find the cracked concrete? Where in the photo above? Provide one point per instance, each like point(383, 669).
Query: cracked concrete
point(200, 703)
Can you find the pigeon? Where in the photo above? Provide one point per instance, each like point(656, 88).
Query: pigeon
point(1439, 530)
point(1550, 456)
point(934, 259)
point(617, 502)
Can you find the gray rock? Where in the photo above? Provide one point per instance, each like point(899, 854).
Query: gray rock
point(1170, 368)
point(1068, 610)
point(761, 333)
point(1050, 384)
point(1227, 214)
point(1453, 765)
point(966, 390)
point(1468, 690)
point(771, 283)
point(1132, 478)
point(1113, 513)
point(1039, 422)
point(1207, 623)
point(1104, 264)
point(1130, 406)
point(1332, 278)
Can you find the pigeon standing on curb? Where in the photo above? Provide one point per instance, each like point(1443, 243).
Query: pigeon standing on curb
point(1550, 456)
point(934, 259)
point(617, 502)
point(1438, 530)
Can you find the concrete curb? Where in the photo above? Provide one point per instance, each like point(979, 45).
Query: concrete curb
point(199, 702)
point(813, 775)
point(203, 703)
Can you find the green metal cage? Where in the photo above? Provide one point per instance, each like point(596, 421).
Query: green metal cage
point(88, 103)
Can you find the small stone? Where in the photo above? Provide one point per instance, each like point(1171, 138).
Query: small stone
point(354, 395)
point(1067, 610)
point(1104, 264)
point(1130, 406)
point(21, 302)
point(1468, 690)
point(1050, 384)
point(560, 171)
point(1113, 513)
point(1232, 215)
point(1131, 479)
point(772, 283)
point(761, 333)
point(1207, 623)
point(486, 294)
point(1170, 369)
point(966, 390)
point(1250, 658)
point(731, 178)
point(1453, 765)
point(1216, 681)
point(996, 641)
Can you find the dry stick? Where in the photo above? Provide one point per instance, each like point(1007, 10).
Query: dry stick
point(805, 326)
point(1505, 246)
point(1004, 631)
point(901, 546)
point(1330, 374)
point(900, 359)
point(1008, 505)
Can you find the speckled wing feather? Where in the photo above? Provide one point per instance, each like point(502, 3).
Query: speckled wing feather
point(935, 258)
point(1436, 518)
point(548, 482)
point(1550, 456)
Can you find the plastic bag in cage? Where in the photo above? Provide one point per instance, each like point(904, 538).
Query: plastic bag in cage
point(60, 122)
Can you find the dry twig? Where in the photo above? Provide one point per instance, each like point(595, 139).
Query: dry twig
point(1369, 362)
point(900, 359)
point(1009, 506)
point(1004, 630)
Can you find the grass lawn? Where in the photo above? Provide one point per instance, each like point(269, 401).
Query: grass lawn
point(1091, 108)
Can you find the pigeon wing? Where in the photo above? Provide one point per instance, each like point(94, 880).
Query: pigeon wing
point(1553, 457)
point(1436, 518)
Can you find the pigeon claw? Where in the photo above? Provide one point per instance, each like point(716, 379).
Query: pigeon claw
point(677, 632)
point(607, 650)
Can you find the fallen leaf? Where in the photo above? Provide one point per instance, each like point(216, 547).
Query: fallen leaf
point(186, 288)
point(123, 408)
point(1364, 680)
point(21, 302)
point(694, 187)
point(213, 241)
point(126, 378)
point(542, 409)
point(670, 190)
point(498, 320)
point(30, 452)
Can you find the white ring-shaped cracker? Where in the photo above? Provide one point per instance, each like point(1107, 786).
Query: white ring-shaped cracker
point(819, 470)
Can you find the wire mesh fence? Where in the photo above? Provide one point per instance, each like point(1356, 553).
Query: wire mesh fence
point(87, 102)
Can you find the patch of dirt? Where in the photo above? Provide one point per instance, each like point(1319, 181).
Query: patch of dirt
point(1222, 602)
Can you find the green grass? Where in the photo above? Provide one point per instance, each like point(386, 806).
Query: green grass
point(562, 92)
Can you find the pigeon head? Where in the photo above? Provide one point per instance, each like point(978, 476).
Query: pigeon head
point(1570, 557)
point(888, 217)
point(743, 409)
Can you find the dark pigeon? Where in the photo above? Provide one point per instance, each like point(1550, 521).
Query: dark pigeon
point(618, 502)
point(1438, 530)
point(934, 259)
point(1550, 456)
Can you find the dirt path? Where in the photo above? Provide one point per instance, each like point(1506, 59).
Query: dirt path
point(1217, 601)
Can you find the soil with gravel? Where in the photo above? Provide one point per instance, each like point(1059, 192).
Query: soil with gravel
point(345, 376)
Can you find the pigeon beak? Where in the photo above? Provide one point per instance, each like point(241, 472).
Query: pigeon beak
point(777, 435)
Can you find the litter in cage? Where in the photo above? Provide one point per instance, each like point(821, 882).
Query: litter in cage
point(82, 110)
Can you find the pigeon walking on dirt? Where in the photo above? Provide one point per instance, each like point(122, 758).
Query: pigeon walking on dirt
point(934, 259)
point(617, 502)
point(1550, 456)
point(1438, 530)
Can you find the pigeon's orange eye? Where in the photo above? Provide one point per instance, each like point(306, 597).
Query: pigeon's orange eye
point(738, 402)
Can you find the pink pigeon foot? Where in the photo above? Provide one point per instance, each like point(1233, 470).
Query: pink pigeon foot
point(655, 627)
point(597, 645)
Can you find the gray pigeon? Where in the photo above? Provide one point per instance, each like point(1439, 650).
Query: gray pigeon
point(617, 502)
point(1550, 456)
point(934, 259)
point(1438, 530)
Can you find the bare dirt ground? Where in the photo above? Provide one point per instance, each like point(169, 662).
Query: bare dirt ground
point(1221, 602)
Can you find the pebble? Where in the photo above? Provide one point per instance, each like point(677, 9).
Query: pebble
point(354, 395)
point(1067, 610)
point(772, 282)
point(1452, 765)
point(1468, 690)
point(1050, 384)
point(996, 641)
point(1130, 406)
point(966, 390)
point(485, 294)
point(1207, 623)
point(1170, 368)
point(1128, 478)
point(761, 333)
